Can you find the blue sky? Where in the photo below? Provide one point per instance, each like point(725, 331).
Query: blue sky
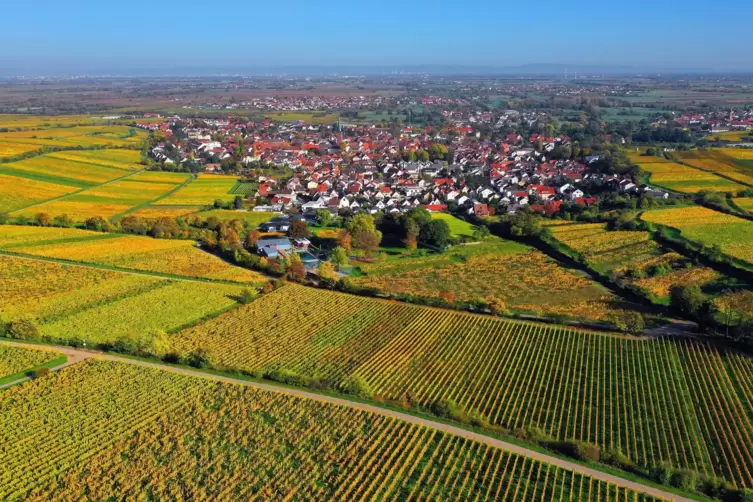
point(87, 35)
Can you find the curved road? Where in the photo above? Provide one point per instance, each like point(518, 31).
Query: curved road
point(76, 355)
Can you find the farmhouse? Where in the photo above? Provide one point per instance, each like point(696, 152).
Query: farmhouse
point(271, 248)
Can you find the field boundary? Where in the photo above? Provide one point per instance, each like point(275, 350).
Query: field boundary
point(22, 376)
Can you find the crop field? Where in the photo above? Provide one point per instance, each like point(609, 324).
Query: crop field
point(717, 161)
point(14, 360)
point(680, 178)
point(69, 302)
point(736, 153)
point(457, 226)
point(12, 121)
point(112, 199)
point(733, 235)
point(252, 218)
point(732, 135)
point(17, 142)
point(622, 251)
point(154, 212)
point(62, 171)
point(744, 203)
point(82, 430)
point(660, 400)
point(167, 256)
point(17, 192)
point(244, 188)
point(524, 280)
point(111, 157)
point(203, 191)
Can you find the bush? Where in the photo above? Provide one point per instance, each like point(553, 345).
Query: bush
point(356, 386)
point(580, 451)
point(448, 408)
point(685, 480)
point(41, 373)
point(617, 459)
point(246, 296)
point(198, 358)
point(661, 474)
point(22, 329)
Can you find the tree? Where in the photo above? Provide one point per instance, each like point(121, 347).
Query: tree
point(436, 233)
point(481, 233)
point(411, 242)
point(630, 321)
point(326, 271)
point(238, 202)
point(364, 235)
point(134, 225)
point(299, 230)
point(296, 270)
point(97, 223)
point(246, 296)
point(62, 220)
point(251, 239)
point(686, 300)
point(345, 241)
point(43, 219)
point(339, 256)
point(323, 217)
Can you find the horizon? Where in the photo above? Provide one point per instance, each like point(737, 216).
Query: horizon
point(51, 39)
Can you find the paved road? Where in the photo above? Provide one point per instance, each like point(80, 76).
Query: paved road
point(77, 355)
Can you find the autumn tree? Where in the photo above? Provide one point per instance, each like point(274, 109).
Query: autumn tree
point(251, 239)
point(43, 219)
point(365, 237)
point(299, 230)
point(345, 241)
point(296, 270)
point(326, 271)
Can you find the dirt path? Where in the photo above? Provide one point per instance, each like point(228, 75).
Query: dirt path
point(76, 355)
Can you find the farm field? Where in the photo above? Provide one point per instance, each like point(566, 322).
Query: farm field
point(62, 171)
point(111, 199)
point(744, 203)
point(166, 256)
point(69, 302)
point(684, 179)
point(17, 142)
point(660, 400)
point(718, 161)
point(14, 360)
point(203, 191)
point(308, 117)
point(733, 235)
point(731, 135)
point(251, 218)
point(525, 280)
point(633, 256)
point(17, 192)
point(111, 157)
point(457, 226)
point(153, 212)
point(82, 431)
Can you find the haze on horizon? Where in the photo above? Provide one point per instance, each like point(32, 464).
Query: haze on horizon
point(51, 38)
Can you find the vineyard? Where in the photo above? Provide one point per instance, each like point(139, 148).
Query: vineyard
point(14, 360)
point(244, 188)
point(524, 280)
point(681, 178)
point(70, 302)
point(251, 218)
point(634, 257)
point(166, 256)
point(203, 191)
point(174, 437)
point(733, 235)
point(18, 142)
point(678, 402)
point(718, 162)
point(111, 199)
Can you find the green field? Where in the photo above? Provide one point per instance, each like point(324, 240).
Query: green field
point(457, 226)
point(202, 191)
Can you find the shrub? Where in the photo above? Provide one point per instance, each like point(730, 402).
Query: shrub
point(246, 296)
point(662, 474)
point(447, 408)
point(617, 459)
point(685, 480)
point(41, 372)
point(22, 329)
point(356, 386)
point(198, 358)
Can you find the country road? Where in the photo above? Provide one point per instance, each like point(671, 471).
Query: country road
point(77, 355)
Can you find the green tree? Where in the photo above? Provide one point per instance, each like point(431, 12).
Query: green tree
point(246, 296)
point(62, 220)
point(686, 300)
point(364, 235)
point(238, 202)
point(339, 256)
point(323, 217)
point(481, 233)
point(436, 233)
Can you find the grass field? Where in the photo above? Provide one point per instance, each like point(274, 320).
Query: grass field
point(457, 226)
point(15, 360)
point(112, 430)
point(203, 191)
point(733, 235)
point(499, 272)
point(175, 257)
point(674, 401)
point(112, 199)
point(681, 178)
point(68, 302)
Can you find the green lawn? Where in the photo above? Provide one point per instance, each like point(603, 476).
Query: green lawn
point(458, 227)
